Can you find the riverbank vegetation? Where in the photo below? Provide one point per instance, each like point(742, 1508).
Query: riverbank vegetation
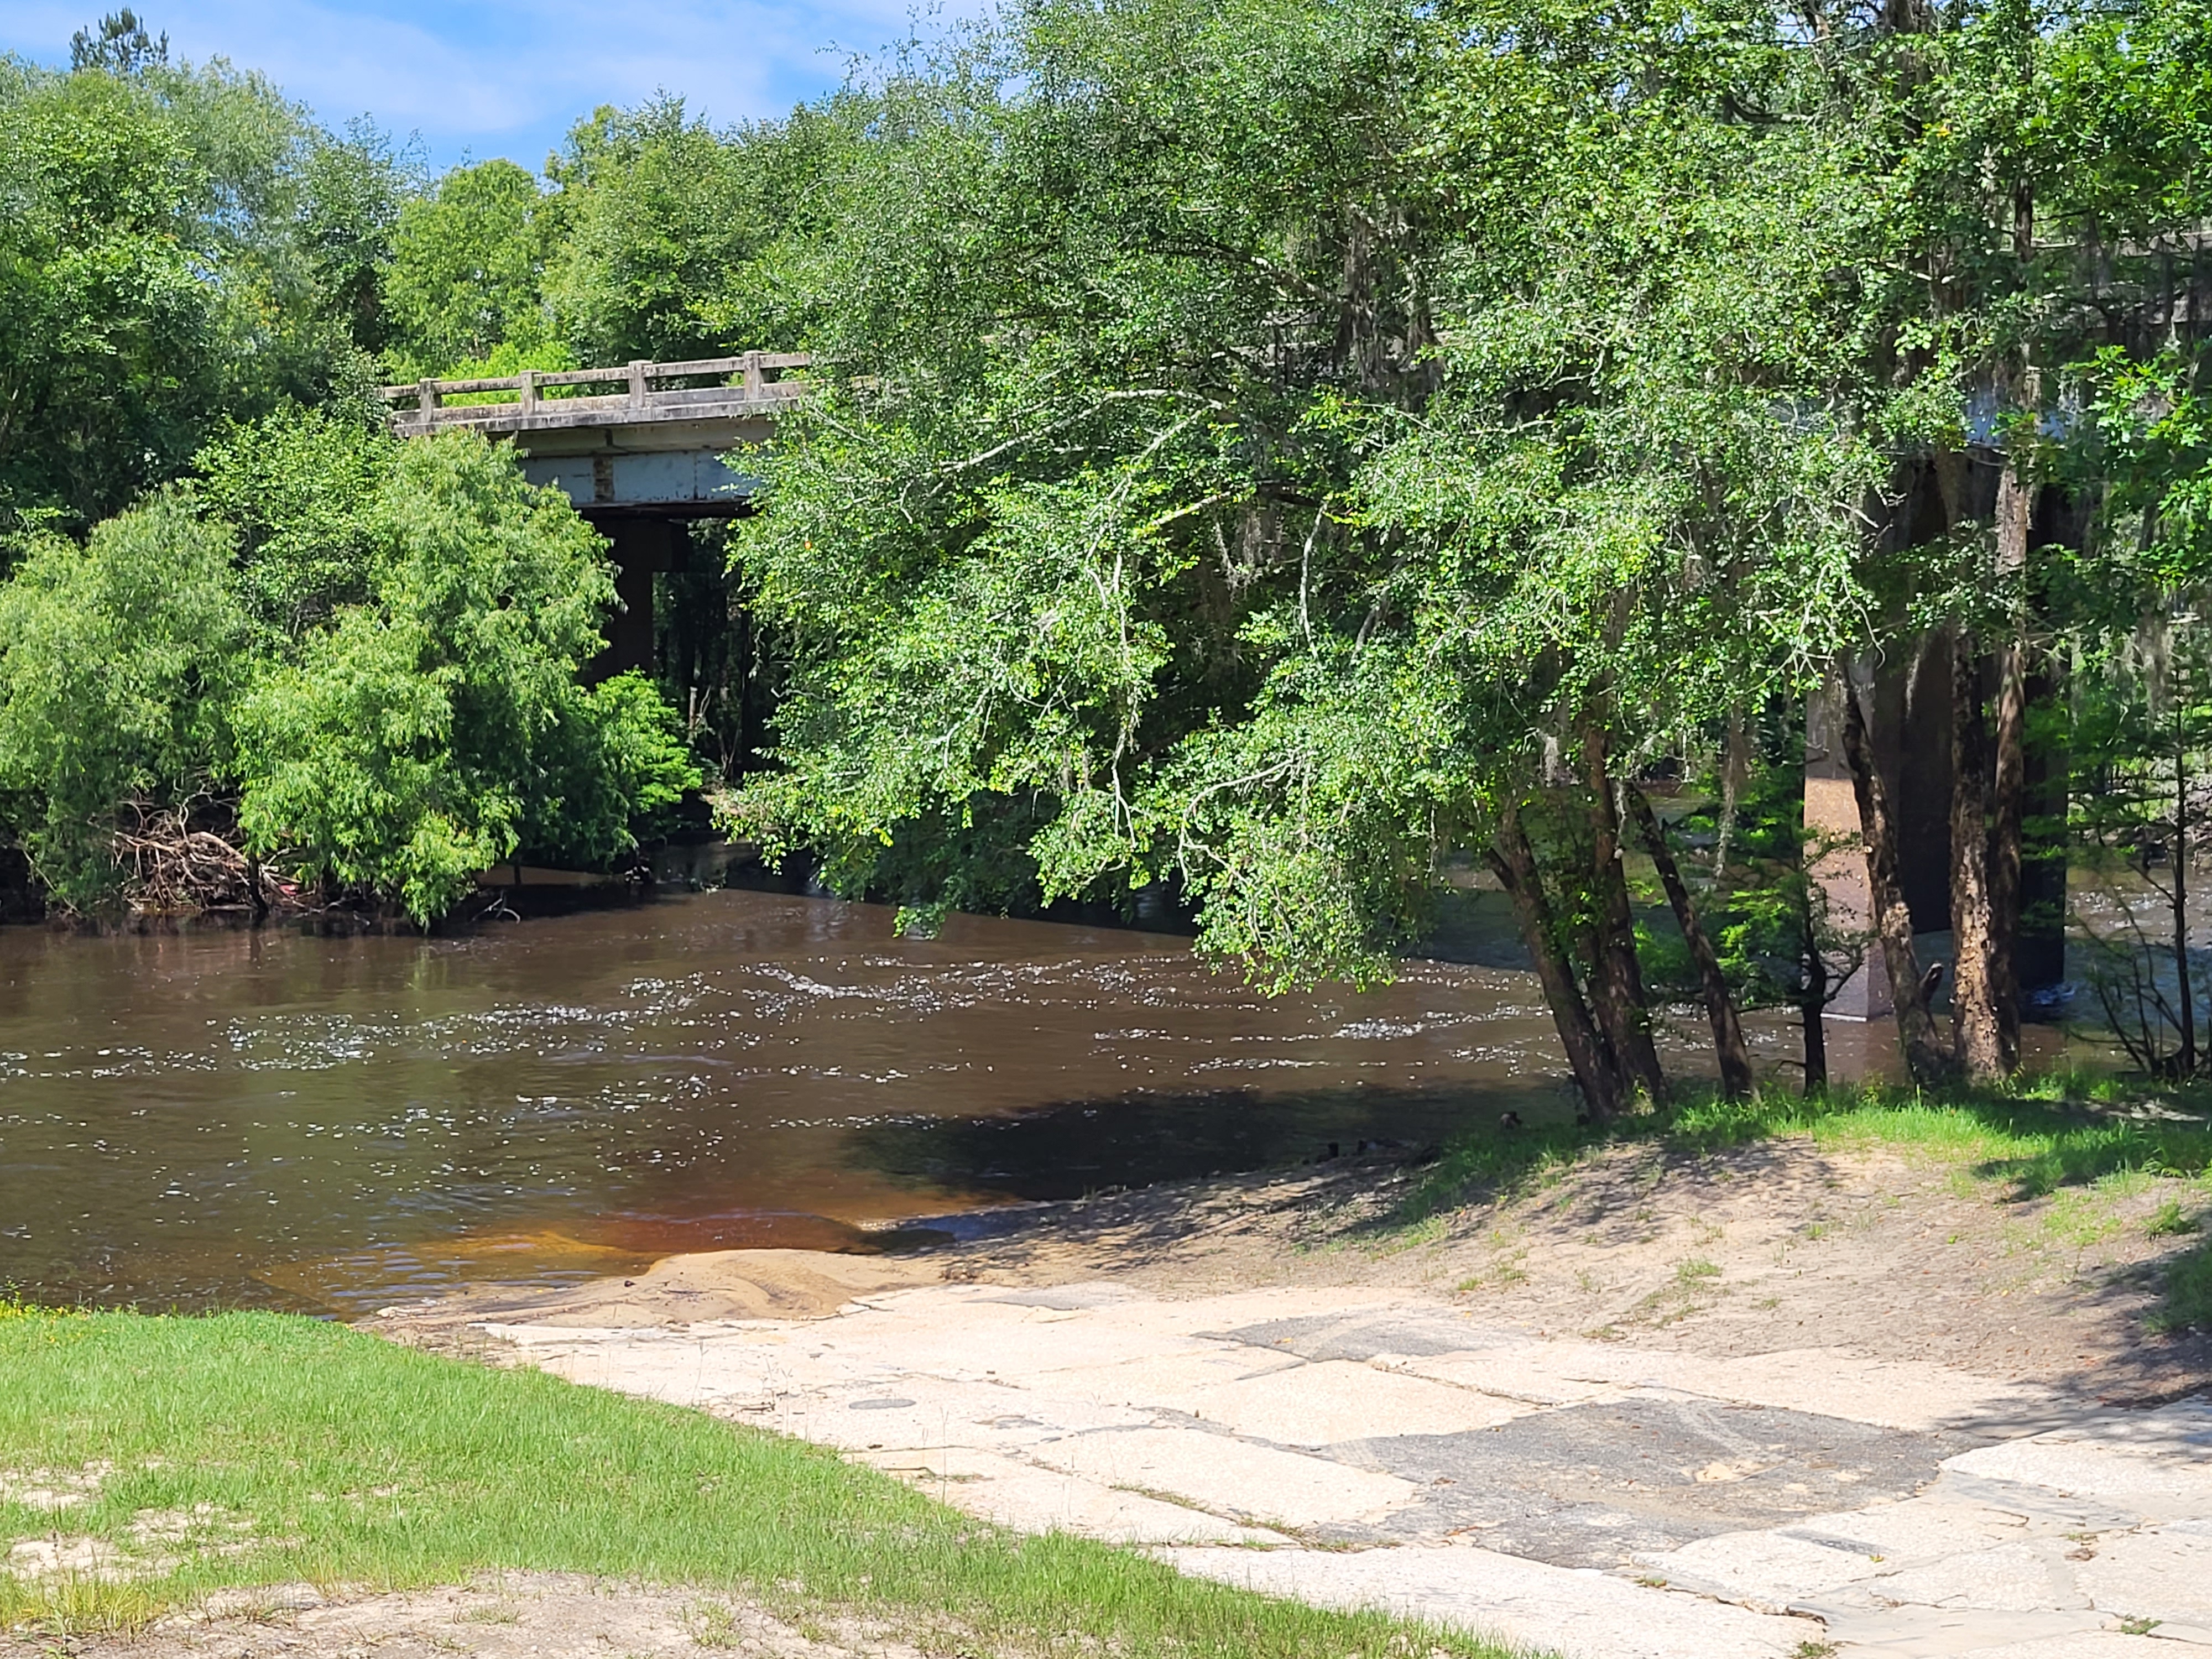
point(253, 651)
point(1304, 448)
point(1278, 456)
point(146, 1462)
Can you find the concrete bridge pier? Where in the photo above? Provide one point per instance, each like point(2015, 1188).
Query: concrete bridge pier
point(644, 548)
point(1909, 702)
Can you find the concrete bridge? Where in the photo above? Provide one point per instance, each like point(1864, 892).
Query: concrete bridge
point(639, 449)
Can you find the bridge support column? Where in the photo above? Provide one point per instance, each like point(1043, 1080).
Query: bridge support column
point(1837, 865)
point(643, 548)
point(1909, 726)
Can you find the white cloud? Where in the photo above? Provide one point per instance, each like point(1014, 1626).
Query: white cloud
point(506, 76)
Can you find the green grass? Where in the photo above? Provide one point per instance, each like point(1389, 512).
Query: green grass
point(2169, 1220)
point(287, 1449)
point(2188, 1304)
point(2078, 1141)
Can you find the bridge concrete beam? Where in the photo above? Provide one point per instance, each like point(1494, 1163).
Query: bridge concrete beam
point(680, 469)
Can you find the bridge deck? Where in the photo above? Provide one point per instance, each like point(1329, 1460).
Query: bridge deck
point(735, 388)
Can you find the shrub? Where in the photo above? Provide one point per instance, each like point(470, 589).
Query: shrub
point(440, 728)
point(121, 666)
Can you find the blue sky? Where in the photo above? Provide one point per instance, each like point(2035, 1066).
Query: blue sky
point(502, 77)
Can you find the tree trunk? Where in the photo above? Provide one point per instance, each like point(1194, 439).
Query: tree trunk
point(1813, 999)
point(2014, 515)
point(2185, 1062)
point(1926, 1058)
point(2007, 813)
point(1736, 1080)
point(1514, 862)
point(1736, 772)
point(1616, 978)
point(1973, 1013)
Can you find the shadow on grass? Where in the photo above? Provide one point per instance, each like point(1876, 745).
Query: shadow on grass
point(2188, 1303)
point(2062, 1133)
point(2034, 1146)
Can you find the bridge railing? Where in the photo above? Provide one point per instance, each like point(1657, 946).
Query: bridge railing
point(753, 383)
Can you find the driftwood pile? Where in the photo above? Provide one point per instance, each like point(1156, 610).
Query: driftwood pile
point(181, 858)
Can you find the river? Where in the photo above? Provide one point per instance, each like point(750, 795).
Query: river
point(280, 1118)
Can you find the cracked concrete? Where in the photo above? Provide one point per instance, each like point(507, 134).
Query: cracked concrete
point(1372, 1447)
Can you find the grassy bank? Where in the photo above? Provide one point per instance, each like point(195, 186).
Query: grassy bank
point(2079, 1143)
point(253, 1448)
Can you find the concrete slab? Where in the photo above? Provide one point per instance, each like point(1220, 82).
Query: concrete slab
point(922, 1412)
point(1337, 1401)
point(1920, 1513)
point(1766, 1572)
point(2119, 1475)
point(1230, 1477)
point(1577, 1614)
point(2182, 1429)
point(1012, 1493)
point(2163, 1575)
point(1362, 1331)
point(1008, 1343)
point(2032, 1576)
point(1521, 1372)
point(1917, 1528)
point(2036, 1509)
point(1893, 1393)
point(1825, 1382)
point(2096, 1644)
point(1063, 1298)
point(1877, 1631)
point(1174, 1381)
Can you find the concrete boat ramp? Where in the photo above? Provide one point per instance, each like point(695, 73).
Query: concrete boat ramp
point(1591, 1499)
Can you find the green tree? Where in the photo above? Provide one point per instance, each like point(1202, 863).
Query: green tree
point(677, 236)
point(119, 46)
point(2033, 163)
point(302, 487)
point(353, 660)
point(2136, 602)
point(467, 269)
point(111, 353)
point(439, 728)
point(997, 560)
point(121, 663)
point(354, 187)
point(179, 246)
point(1297, 445)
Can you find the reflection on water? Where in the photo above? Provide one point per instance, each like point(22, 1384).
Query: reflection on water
point(335, 1123)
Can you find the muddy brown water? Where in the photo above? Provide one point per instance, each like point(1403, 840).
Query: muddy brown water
point(335, 1124)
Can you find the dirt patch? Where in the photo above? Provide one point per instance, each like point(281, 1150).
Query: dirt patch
point(511, 1616)
point(1779, 1244)
point(159, 1540)
point(48, 1490)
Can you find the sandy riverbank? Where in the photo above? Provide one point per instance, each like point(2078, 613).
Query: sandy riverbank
point(1664, 1406)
